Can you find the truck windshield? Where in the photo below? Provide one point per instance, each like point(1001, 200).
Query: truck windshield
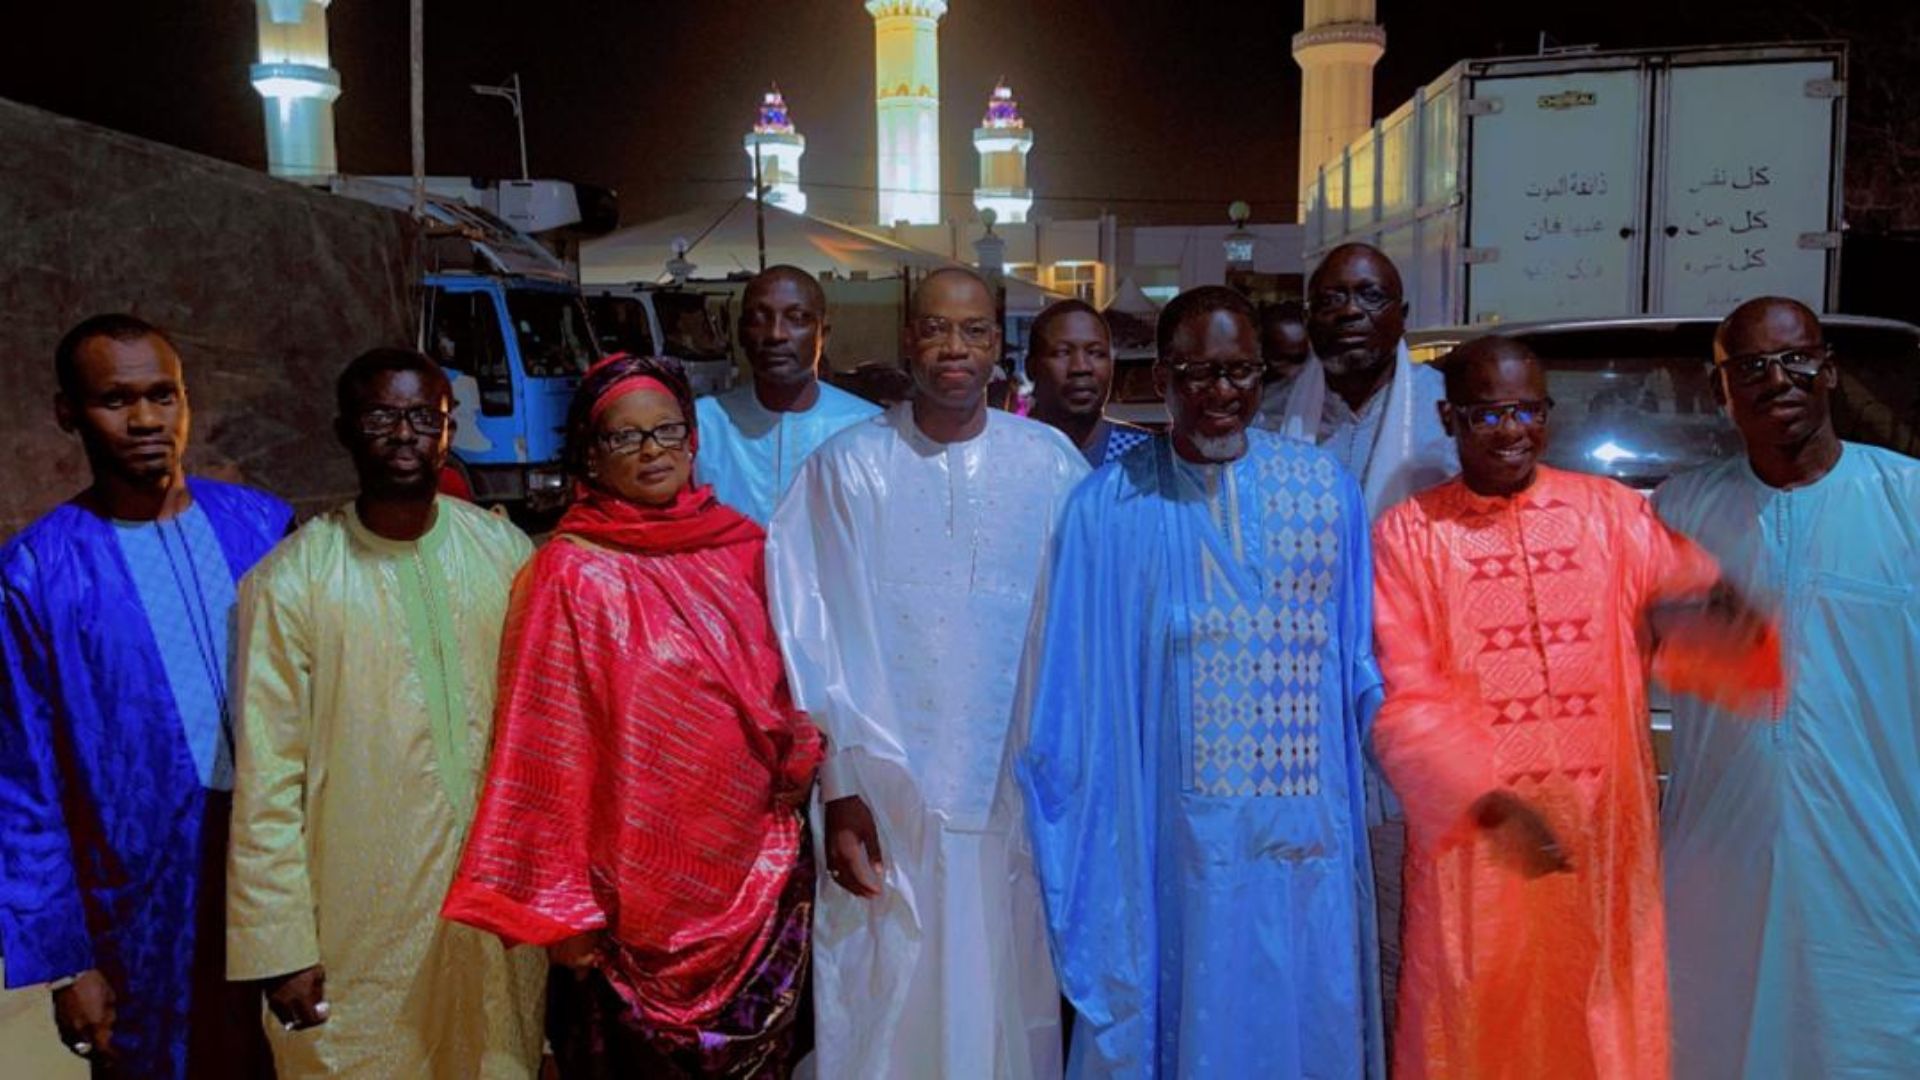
point(552, 331)
point(694, 325)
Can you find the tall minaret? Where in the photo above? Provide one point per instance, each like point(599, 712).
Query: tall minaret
point(1336, 53)
point(298, 85)
point(906, 66)
point(1003, 140)
point(777, 147)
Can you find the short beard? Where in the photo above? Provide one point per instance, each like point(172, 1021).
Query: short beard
point(1220, 449)
point(1356, 362)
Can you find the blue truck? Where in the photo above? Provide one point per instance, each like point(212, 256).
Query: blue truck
point(504, 316)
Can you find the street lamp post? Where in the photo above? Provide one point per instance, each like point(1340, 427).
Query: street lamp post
point(511, 92)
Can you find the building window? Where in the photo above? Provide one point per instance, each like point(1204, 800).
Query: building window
point(1080, 279)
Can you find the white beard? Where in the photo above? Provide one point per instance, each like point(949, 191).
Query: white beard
point(1220, 449)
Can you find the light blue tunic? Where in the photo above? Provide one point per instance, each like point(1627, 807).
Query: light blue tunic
point(750, 454)
point(1792, 849)
point(1192, 767)
point(185, 587)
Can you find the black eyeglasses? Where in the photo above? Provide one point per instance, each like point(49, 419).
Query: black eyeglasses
point(1368, 298)
point(1488, 415)
point(934, 330)
point(1242, 374)
point(421, 418)
point(1750, 369)
point(623, 441)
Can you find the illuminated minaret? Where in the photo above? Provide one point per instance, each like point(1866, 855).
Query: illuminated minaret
point(1002, 140)
point(1336, 53)
point(906, 66)
point(298, 86)
point(777, 147)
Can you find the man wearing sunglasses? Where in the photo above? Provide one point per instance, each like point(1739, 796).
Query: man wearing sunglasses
point(1192, 755)
point(1792, 849)
point(1511, 607)
point(903, 565)
point(364, 697)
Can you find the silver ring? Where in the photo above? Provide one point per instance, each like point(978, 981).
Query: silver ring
point(81, 1049)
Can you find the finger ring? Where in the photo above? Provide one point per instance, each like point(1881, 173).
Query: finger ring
point(81, 1049)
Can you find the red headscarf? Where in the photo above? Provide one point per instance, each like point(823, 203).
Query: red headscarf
point(693, 520)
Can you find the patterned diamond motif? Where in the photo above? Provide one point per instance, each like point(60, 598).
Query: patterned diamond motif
point(1257, 669)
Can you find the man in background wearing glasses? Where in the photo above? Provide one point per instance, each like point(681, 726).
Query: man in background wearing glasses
point(1792, 850)
point(903, 564)
point(363, 691)
point(1361, 397)
point(1191, 758)
point(1512, 610)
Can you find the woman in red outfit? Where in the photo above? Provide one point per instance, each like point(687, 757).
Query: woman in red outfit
point(641, 814)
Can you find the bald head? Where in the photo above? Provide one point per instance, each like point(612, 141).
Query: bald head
point(1467, 368)
point(1773, 372)
point(1766, 324)
point(1342, 260)
point(950, 282)
point(783, 331)
point(1356, 315)
point(1496, 410)
point(808, 285)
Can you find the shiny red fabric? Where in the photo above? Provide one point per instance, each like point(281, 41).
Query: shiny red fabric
point(1511, 632)
point(644, 733)
point(694, 520)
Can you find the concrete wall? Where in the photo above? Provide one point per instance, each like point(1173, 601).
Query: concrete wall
point(267, 288)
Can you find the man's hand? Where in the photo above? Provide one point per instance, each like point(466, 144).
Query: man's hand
point(299, 1000)
point(1520, 835)
point(579, 954)
point(1726, 622)
point(84, 1013)
point(853, 848)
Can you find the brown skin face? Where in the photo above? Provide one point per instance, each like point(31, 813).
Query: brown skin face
point(403, 463)
point(653, 476)
point(1355, 313)
point(1781, 411)
point(1502, 460)
point(1072, 367)
point(130, 410)
point(950, 373)
point(1210, 421)
point(1284, 347)
point(783, 330)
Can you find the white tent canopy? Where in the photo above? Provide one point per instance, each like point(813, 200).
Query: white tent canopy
point(720, 239)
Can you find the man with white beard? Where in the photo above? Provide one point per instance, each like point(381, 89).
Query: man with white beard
point(1191, 743)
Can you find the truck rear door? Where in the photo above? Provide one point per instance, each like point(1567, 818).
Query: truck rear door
point(1745, 192)
point(1557, 173)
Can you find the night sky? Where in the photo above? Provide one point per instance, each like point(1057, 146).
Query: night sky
point(1161, 111)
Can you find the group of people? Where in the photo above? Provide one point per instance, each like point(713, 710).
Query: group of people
point(1306, 738)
